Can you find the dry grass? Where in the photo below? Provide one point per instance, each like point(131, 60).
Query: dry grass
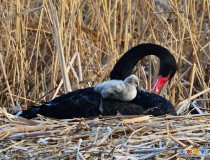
point(51, 47)
point(118, 137)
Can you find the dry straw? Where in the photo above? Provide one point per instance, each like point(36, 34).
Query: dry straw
point(114, 137)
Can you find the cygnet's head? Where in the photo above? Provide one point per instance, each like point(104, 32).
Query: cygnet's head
point(133, 80)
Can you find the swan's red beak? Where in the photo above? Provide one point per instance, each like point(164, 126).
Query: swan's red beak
point(159, 83)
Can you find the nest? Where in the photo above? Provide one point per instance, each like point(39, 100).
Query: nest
point(112, 137)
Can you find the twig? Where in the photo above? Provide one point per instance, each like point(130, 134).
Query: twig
point(17, 129)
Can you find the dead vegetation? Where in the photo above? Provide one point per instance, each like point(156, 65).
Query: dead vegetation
point(51, 47)
point(116, 137)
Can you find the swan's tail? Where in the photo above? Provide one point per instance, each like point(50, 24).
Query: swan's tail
point(29, 113)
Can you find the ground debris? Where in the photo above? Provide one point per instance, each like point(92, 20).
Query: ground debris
point(111, 137)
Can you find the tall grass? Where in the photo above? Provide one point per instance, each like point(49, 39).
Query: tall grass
point(51, 47)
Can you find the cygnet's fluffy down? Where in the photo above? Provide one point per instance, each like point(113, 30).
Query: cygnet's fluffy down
point(118, 89)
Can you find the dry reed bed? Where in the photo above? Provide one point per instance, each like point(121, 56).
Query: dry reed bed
point(117, 137)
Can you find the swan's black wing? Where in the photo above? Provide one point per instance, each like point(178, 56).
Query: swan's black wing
point(153, 104)
point(87, 103)
point(82, 103)
point(145, 103)
point(79, 103)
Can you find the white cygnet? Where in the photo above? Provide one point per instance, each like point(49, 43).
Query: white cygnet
point(118, 89)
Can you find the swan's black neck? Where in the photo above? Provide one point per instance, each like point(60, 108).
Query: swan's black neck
point(125, 65)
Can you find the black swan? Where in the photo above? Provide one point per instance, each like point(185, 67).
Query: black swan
point(118, 89)
point(88, 103)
